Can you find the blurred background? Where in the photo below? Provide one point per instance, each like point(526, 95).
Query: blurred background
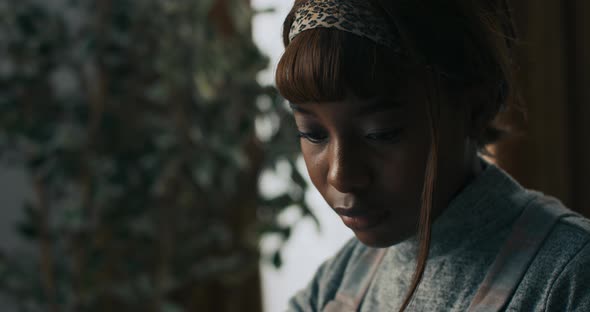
point(148, 164)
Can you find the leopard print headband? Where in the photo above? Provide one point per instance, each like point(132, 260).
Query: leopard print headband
point(354, 16)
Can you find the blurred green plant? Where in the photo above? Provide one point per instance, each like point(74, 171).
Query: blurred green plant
point(136, 122)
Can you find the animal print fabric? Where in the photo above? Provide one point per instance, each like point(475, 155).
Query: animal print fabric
point(354, 16)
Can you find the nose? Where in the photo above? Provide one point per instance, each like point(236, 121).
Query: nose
point(348, 171)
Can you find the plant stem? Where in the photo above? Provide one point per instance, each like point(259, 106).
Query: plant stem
point(45, 247)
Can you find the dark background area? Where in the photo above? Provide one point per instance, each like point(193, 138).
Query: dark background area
point(554, 55)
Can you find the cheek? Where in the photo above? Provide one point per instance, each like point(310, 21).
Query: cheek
point(403, 174)
point(402, 171)
point(315, 166)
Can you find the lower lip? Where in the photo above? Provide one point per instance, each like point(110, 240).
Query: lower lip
point(364, 222)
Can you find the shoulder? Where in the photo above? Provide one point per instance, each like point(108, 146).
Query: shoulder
point(568, 238)
point(558, 279)
point(570, 283)
point(327, 279)
point(572, 231)
point(570, 290)
point(571, 225)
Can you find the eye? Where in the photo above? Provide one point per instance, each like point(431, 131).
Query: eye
point(389, 136)
point(313, 137)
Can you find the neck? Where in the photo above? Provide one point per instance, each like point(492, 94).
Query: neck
point(448, 190)
point(473, 165)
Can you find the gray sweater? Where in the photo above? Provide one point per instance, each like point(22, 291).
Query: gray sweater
point(465, 241)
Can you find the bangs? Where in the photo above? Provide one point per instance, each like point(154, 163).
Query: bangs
point(325, 65)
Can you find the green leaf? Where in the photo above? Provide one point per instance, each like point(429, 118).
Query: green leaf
point(296, 176)
point(29, 228)
point(277, 260)
point(171, 307)
point(279, 202)
point(286, 233)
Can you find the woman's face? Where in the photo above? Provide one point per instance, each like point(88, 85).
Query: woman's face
point(367, 158)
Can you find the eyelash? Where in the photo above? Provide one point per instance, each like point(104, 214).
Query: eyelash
point(389, 136)
point(311, 137)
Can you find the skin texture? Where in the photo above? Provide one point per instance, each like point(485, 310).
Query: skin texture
point(368, 157)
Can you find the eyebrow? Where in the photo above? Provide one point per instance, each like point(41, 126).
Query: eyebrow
point(377, 105)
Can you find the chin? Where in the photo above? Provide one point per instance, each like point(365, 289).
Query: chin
point(378, 240)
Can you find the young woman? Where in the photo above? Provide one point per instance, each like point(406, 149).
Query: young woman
point(394, 101)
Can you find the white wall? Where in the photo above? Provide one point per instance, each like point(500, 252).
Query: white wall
point(307, 248)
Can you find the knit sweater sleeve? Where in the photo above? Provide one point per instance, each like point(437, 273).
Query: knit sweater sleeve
point(325, 283)
point(306, 300)
point(571, 290)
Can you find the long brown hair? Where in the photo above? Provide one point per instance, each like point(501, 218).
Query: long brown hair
point(461, 45)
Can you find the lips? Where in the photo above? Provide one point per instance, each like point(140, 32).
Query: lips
point(359, 219)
